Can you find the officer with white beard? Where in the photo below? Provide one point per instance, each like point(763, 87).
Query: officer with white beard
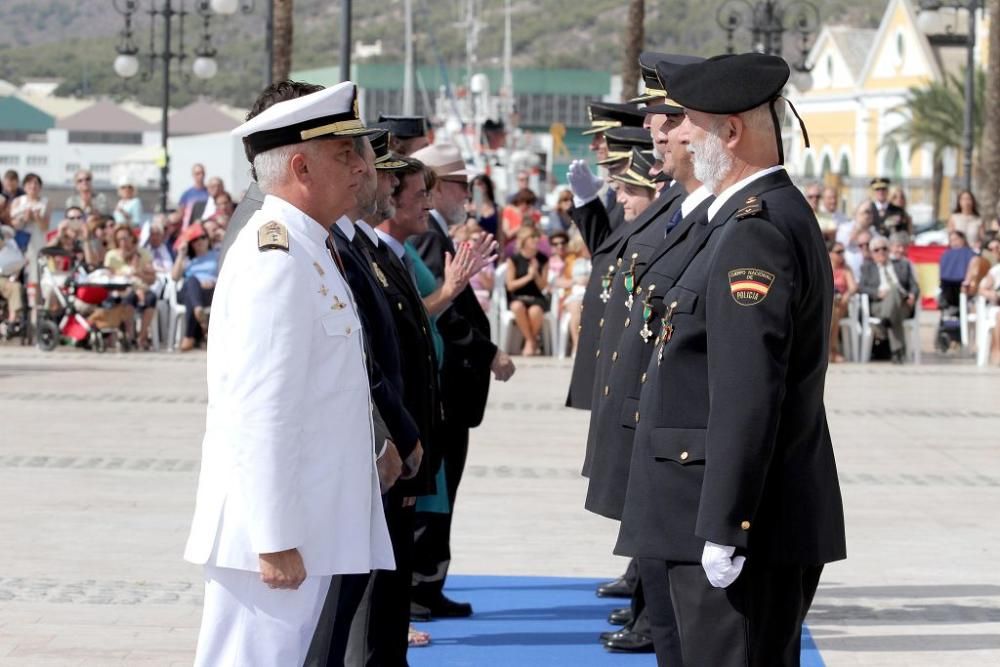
point(288, 495)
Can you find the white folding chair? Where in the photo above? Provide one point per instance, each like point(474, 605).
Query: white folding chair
point(177, 311)
point(509, 338)
point(986, 323)
point(850, 329)
point(967, 318)
point(911, 331)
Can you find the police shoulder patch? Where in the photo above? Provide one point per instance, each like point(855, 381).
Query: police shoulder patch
point(749, 287)
point(272, 236)
point(751, 207)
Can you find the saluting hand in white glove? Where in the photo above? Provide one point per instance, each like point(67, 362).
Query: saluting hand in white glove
point(582, 182)
point(720, 566)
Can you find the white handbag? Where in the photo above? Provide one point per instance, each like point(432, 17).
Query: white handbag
point(11, 259)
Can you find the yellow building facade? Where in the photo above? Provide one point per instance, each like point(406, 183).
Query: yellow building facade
point(855, 95)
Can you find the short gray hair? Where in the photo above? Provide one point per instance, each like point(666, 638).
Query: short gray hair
point(271, 166)
point(759, 118)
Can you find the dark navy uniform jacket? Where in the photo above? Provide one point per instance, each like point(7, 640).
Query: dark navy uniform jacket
point(732, 445)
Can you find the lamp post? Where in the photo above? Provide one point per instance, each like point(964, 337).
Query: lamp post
point(768, 21)
point(171, 14)
point(930, 19)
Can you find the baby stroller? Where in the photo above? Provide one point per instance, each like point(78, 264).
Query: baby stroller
point(949, 331)
point(75, 294)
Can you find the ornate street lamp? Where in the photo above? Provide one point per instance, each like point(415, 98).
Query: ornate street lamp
point(941, 33)
point(172, 15)
point(768, 21)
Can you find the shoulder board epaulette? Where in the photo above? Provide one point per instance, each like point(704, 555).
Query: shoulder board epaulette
point(272, 236)
point(751, 207)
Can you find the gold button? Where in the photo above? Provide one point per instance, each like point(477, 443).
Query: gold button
point(348, 331)
point(643, 379)
point(601, 323)
point(598, 355)
point(614, 356)
point(399, 305)
point(628, 321)
point(579, 327)
point(606, 389)
point(684, 456)
point(745, 525)
point(636, 416)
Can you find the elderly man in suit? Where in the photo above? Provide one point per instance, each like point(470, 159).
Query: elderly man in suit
point(288, 494)
point(893, 291)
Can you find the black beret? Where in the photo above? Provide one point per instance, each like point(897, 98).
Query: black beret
point(621, 141)
point(403, 127)
point(606, 115)
point(729, 84)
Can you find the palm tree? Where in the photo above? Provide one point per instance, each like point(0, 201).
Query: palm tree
point(634, 37)
point(934, 119)
point(989, 156)
point(282, 64)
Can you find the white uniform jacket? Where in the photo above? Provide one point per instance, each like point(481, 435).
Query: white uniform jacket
point(287, 459)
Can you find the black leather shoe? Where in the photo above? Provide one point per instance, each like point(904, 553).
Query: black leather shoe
point(629, 642)
point(441, 607)
point(622, 616)
point(618, 588)
point(419, 613)
point(605, 636)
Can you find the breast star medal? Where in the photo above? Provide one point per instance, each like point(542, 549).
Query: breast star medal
point(647, 316)
point(323, 290)
point(629, 281)
point(666, 332)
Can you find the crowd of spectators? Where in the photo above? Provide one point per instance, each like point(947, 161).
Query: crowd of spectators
point(157, 257)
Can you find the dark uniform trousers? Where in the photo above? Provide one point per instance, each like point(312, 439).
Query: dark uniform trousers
point(388, 610)
point(732, 446)
point(465, 382)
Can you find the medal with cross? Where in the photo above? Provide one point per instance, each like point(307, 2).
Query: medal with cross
point(629, 280)
point(606, 284)
point(647, 315)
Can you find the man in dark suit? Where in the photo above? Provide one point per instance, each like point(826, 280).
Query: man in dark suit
point(892, 291)
point(733, 498)
point(469, 356)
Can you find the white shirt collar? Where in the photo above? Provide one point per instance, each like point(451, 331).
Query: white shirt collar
point(368, 231)
point(287, 214)
point(725, 195)
point(442, 223)
point(395, 245)
point(346, 226)
point(691, 202)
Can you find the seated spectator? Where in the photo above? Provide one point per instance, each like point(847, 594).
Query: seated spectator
point(892, 290)
point(95, 241)
point(484, 203)
point(828, 215)
point(560, 219)
point(215, 233)
point(526, 281)
point(954, 267)
point(156, 244)
point(521, 210)
point(989, 289)
point(966, 219)
point(560, 259)
point(85, 198)
point(856, 237)
point(224, 207)
point(11, 262)
point(128, 210)
point(900, 222)
point(579, 274)
point(198, 266)
point(127, 260)
point(844, 287)
point(68, 235)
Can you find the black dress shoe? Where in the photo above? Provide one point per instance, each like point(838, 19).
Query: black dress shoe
point(441, 607)
point(618, 588)
point(622, 616)
point(629, 642)
point(419, 613)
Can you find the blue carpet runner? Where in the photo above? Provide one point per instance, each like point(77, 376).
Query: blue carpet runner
point(529, 621)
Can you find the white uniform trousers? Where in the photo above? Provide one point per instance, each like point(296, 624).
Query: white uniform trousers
point(245, 623)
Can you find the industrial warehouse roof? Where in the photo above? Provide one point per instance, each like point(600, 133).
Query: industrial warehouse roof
point(526, 81)
point(16, 114)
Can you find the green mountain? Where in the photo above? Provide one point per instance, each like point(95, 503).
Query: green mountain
point(74, 40)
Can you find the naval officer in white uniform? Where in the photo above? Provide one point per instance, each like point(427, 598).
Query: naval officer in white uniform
point(288, 495)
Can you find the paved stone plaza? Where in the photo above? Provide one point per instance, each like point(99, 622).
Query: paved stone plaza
point(99, 458)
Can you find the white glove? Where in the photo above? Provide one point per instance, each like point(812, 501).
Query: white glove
point(583, 183)
point(720, 566)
